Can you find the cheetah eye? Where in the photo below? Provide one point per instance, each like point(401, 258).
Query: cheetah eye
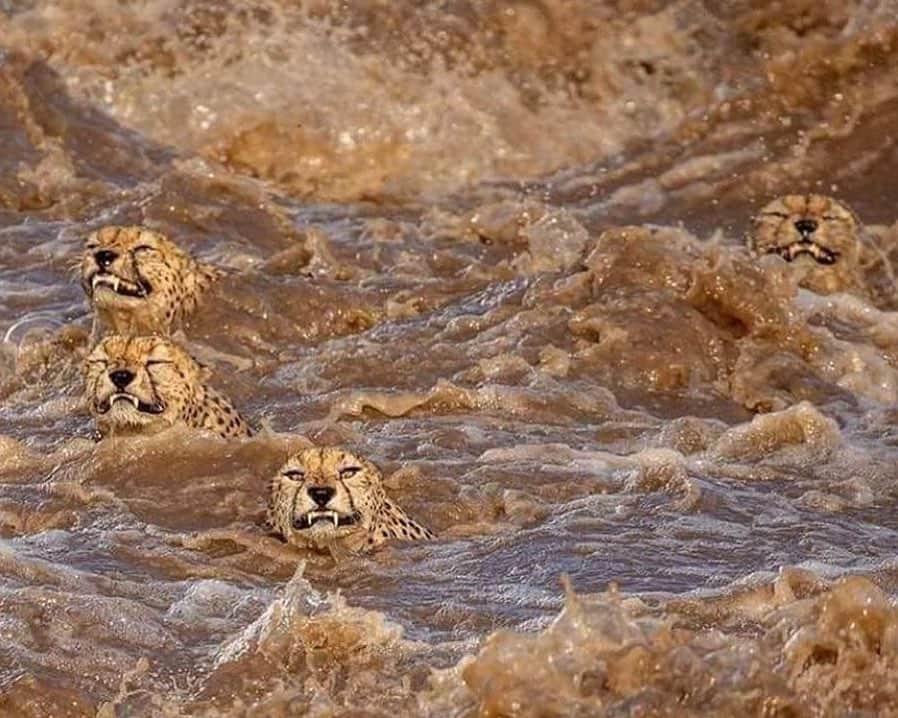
point(153, 362)
point(104, 362)
point(294, 474)
point(144, 248)
point(348, 471)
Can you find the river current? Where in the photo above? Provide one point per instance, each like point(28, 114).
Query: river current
point(499, 249)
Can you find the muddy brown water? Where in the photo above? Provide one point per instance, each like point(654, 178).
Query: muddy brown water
point(662, 476)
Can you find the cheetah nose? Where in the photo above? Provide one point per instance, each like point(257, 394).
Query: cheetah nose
point(321, 494)
point(105, 257)
point(806, 227)
point(121, 377)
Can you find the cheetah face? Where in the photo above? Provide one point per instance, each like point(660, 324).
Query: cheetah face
point(323, 495)
point(139, 384)
point(807, 228)
point(118, 262)
point(137, 273)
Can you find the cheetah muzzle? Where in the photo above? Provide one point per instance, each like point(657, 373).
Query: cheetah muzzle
point(311, 518)
point(326, 497)
point(807, 246)
point(104, 280)
point(103, 406)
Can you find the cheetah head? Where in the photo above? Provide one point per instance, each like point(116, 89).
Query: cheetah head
point(140, 384)
point(812, 230)
point(138, 279)
point(326, 495)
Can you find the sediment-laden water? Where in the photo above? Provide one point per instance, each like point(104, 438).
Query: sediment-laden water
point(498, 248)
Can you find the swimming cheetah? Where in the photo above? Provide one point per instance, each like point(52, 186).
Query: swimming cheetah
point(141, 385)
point(818, 234)
point(326, 496)
point(139, 282)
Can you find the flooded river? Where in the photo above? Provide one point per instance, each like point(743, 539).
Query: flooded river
point(499, 249)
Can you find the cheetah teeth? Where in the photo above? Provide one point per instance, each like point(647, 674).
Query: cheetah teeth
point(308, 520)
point(313, 516)
point(127, 397)
point(106, 280)
point(157, 407)
point(118, 285)
point(821, 254)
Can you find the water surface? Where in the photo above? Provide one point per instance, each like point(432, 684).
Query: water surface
point(662, 475)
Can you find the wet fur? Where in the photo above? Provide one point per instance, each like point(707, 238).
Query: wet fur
point(829, 255)
point(165, 375)
point(362, 495)
point(174, 281)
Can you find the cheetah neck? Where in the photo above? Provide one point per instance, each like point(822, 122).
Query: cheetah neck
point(197, 278)
point(212, 411)
point(397, 524)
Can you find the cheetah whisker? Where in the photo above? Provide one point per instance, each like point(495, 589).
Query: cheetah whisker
point(37, 319)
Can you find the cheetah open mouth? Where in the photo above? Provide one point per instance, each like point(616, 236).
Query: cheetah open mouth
point(141, 406)
point(121, 286)
point(311, 518)
point(820, 254)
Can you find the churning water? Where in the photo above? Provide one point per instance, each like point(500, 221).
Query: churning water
point(662, 475)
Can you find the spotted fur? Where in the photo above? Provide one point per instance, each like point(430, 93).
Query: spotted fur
point(139, 282)
point(141, 385)
point(351, 509)
point(818, 234)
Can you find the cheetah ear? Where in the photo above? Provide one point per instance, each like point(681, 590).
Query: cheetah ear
point(206, 274)
point(274, 489)
point(199, 280)
point(861, 229)
point(204, 371)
